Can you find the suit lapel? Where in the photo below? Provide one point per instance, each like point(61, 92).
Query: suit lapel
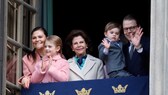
point(89, 63)
point(75, 69)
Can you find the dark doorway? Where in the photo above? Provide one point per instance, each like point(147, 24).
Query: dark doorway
point(92, 16)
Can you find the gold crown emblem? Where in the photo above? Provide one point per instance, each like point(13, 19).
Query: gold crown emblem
point(120, 89)
point(47, 93)
point(83, 91)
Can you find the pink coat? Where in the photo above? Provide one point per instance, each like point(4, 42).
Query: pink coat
point(28, 66)
point(57, 70)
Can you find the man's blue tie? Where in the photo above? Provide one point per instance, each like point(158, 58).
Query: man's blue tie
point(131, 50)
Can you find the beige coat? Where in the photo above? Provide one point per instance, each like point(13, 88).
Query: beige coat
point(93, 69)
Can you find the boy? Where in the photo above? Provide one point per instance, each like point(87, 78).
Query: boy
point(110, 51)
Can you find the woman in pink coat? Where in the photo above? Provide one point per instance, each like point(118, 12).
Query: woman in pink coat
point(39, 35)
point(53, 67)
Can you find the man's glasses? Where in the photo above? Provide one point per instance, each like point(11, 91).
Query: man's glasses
point(132, 28)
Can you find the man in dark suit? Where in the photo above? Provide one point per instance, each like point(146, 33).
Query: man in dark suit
point(137, 49)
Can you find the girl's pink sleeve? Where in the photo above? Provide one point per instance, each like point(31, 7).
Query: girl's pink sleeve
point(38, 74)
point(59, 70)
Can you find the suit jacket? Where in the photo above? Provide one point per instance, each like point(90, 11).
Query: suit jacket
point(139, 64)
point(93, 69)
point(115, 59)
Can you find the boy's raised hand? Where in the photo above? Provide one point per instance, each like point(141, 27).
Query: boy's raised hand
point(106, 43)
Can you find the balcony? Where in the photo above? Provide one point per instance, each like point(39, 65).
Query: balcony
point(116, 86)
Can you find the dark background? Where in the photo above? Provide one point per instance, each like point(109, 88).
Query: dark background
point(92, 17)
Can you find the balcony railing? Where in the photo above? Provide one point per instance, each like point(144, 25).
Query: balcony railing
point(115, 86)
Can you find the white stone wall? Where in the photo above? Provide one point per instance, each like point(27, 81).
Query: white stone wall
point(159, 48)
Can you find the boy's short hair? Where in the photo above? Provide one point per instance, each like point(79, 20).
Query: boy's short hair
point(111, 25)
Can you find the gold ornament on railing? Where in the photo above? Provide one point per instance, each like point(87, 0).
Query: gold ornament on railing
point(83, 91)
point(47, 93)
point(120, 89)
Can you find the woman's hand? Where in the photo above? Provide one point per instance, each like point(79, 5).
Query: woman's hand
point(25, 82)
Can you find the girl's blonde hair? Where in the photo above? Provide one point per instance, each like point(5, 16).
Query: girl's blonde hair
point(57, 42)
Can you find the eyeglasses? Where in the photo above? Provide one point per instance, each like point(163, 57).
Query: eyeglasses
point(132, 28)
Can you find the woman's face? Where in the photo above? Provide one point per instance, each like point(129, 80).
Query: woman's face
point(38, 39)
point(79, 46)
